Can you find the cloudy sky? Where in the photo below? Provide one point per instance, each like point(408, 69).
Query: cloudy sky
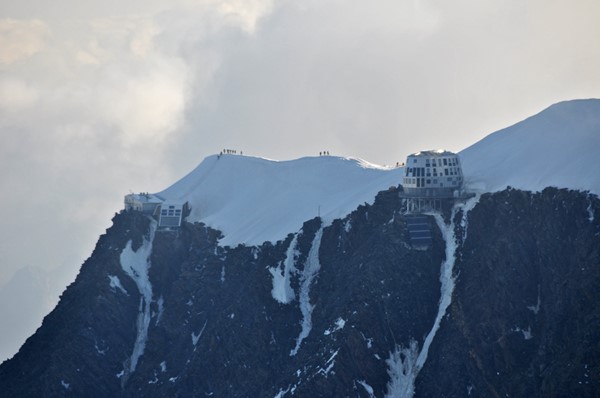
point(101, 97)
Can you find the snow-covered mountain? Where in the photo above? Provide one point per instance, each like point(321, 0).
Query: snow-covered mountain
point(558, 147)
point(501, 303)
point(252, 200)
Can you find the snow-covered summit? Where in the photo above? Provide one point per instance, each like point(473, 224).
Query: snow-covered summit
point(559, 147)
point(252, 200)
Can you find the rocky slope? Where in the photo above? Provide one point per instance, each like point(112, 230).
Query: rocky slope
point(524, 320)
point(322, 312)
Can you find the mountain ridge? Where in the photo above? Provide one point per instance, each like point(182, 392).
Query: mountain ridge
point(252, 199)
point(557, 147)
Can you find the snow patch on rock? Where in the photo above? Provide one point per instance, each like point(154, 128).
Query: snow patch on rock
point(311, 268)
point(115, 283)
point(282, 289)
point(402, 369)
point(136, 265)
point(367, 388)
point(339, 324)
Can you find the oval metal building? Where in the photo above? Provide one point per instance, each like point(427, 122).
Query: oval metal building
point(430, 179)
point(433, 174)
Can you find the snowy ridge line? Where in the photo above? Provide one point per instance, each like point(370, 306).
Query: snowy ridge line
point(282, 289)
point(253, 200)
point(136, 265)
point(311, 268)
point(405, 363)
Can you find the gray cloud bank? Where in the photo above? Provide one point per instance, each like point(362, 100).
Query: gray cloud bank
point(97, 98)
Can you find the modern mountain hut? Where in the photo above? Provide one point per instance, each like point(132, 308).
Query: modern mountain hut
point(431, 177)
point(169, 214)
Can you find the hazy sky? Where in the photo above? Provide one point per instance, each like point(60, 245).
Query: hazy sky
point(100, 97)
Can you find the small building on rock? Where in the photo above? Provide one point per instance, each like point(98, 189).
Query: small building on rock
point(145, 202)
point(171, 213)
point(168, 213)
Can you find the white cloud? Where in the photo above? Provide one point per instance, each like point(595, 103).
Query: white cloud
point(245, 13)
point(20, 39)
point(149, 106)
point(15, 94)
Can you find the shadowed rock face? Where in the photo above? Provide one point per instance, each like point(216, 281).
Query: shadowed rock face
point(524, 319)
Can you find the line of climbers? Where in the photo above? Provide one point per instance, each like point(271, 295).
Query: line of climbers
point(229, 152)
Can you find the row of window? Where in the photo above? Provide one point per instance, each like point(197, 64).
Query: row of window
point(421, 181)
point(424, 172)
point(170, 212)
point(439, 162)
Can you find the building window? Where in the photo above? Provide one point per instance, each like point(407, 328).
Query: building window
point(428, 181)
point(445, 162)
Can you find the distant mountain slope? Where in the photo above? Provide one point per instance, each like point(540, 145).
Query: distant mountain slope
point(252, 200)
point(559, 147)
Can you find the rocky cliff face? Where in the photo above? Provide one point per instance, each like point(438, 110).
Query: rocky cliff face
point(332, 310)
point(525, 319)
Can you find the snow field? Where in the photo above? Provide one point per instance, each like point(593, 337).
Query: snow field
point(253, 200)
point(558, 147)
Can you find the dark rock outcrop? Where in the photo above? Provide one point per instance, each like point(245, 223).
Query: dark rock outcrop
point(523, 319)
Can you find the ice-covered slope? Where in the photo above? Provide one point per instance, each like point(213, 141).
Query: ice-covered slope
point(252, 200)
point(558, 147)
